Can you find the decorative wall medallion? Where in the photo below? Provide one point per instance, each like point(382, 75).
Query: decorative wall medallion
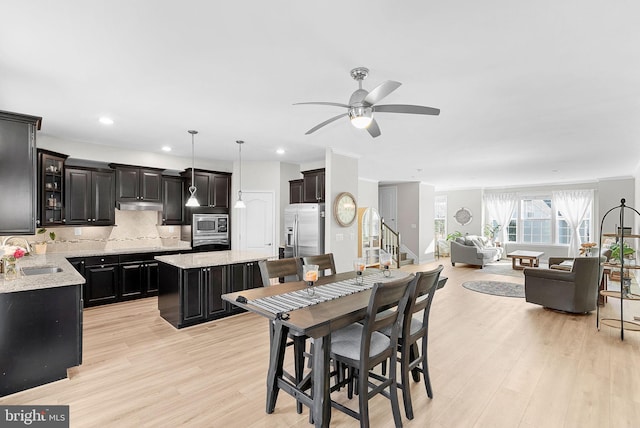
point(463, 216)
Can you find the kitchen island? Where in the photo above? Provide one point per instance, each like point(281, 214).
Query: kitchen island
point(40, 323)
point(191, 285)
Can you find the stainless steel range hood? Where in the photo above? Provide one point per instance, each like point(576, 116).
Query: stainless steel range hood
point(139, 206)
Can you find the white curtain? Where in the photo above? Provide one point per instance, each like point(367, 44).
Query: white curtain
point(500, 206)
point(574, 206)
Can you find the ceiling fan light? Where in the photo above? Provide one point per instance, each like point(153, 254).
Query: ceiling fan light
point(361, 117)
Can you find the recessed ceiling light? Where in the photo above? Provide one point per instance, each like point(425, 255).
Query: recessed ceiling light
point(106, 120)
point(280, 151)
point(166, 149)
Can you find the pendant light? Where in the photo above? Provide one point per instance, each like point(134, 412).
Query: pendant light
point(240, 203)
point(192, 201)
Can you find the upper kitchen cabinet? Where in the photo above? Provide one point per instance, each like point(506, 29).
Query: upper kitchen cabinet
point(50, 188)
point(18, 173)
point(138, 184)
point(213, 189)
point(313, 186)
point(89, 196)
point(172, 200)
point(295, 191)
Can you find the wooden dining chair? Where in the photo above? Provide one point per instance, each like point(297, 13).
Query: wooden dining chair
point(361, 346)
point(413, 329)
point(325, 263)
point(291, 270)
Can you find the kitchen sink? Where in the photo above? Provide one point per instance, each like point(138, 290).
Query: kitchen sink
point(40, 270)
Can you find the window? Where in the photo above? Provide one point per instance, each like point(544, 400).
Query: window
point(440, 217)
point(535, 218)
point(537, 221)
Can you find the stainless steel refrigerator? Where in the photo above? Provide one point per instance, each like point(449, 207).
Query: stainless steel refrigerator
point(304, 230)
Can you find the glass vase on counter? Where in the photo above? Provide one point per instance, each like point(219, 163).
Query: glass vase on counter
point(10, 268)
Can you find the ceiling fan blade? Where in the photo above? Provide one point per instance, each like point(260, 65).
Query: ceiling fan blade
point(406, 108)
point(374, 129)
point(323, 103)
point(381, 91)
point(326, 122)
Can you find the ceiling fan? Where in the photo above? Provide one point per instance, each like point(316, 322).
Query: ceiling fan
point(363, 104)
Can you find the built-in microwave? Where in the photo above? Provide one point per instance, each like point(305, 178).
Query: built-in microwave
point(210, 229)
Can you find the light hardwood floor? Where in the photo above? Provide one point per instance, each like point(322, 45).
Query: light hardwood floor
point(494, 362)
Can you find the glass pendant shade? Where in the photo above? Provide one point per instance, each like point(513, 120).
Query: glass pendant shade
point(361, 117)
point(192, 201)
point(240, 203)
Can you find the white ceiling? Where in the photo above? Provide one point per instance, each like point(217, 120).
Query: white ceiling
point(543, 91)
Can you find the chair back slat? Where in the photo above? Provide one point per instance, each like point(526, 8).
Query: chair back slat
point(421, 299)
point(324, 261)
point(290, 269)
point(394, 295)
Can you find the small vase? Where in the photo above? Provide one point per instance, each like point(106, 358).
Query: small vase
point(41, 248)
point(10, 266)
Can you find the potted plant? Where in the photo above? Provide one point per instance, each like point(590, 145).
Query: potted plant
point(627, 251)
point(491, 231)
point(41, 247)
point(453, 235)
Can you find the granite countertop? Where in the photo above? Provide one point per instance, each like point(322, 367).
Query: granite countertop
point(68, 276)
point(90, 253)
point(213, 258)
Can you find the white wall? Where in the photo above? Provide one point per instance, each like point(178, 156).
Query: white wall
point(367, 193)
point(470, 199)
point(341, 176)
point(409, 216)
point(610, 192)
point(426, 241)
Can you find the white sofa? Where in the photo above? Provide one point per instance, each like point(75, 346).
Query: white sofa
point(474, 250)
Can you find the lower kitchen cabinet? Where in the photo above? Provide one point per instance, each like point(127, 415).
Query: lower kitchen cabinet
point(115, 278)
point(102, 280)
point(138, 276)
point(192, 296)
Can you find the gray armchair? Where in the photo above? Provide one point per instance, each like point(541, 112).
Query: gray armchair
point(574, 290)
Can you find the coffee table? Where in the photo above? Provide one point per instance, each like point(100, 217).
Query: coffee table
point(525, 259)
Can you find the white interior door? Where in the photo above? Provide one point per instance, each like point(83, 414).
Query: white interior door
point(388, 205)
point(257, 227)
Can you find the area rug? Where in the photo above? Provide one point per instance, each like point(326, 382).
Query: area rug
point(503, 267)
point(497, 288)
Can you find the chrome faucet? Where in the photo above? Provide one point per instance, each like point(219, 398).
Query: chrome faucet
point(26, 243)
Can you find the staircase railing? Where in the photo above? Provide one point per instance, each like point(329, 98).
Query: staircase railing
point(390, 242)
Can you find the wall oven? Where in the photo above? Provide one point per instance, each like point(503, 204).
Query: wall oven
point(210, 230)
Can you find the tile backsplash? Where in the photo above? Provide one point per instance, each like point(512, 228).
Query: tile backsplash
point(133, 229)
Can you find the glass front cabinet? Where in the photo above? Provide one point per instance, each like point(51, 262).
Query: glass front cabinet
point(51, 187)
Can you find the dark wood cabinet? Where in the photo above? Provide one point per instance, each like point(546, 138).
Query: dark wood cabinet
point(89, 196)
point(138, 276)
point(295, 191)
point(212, 188)
point(313, 186)
point(243, 276)
point(50, 188)
point(172, 200)
point(102, 280)
point(192, 296)
point(18, 173)
point(41, 337)
point(138, 184)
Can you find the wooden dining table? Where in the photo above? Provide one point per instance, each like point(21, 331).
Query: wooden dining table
point(316, 321)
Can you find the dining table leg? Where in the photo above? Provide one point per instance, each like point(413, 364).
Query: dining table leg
point(276, 360)
point(321, 395)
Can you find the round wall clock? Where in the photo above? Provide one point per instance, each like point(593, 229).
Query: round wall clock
point(345, 209)
point(463, 216)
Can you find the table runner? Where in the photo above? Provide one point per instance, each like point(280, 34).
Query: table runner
point(300, 299)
